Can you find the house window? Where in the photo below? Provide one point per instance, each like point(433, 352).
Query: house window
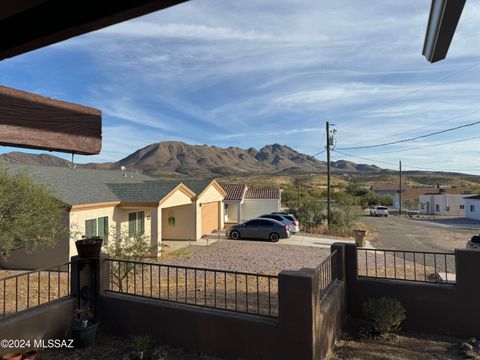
point(447, 208)
point(437, 207)
point(136, 223)
point(97, 227)
point(472, 208)
point(462, 207)
point(226, 210)
point(422, 206)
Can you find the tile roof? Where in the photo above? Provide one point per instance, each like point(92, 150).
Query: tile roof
point(234, 191)
point(262, 194)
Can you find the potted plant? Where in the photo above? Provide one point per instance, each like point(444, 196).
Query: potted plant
point(89, 247)
point(84, 328)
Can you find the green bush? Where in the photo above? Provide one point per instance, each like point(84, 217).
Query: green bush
point(382, 316)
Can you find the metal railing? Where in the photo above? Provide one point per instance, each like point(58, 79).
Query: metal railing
point(327, 271)
point(30, 289)
point(226, 290)
point(420, 266)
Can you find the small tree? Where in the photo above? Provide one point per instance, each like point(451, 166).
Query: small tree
point(311, 213)
point(121, 246)
point(31, 218)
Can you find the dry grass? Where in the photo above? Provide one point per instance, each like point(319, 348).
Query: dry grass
point(224, 290)
point(21, 290)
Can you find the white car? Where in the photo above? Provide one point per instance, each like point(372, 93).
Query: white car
point(379, 211)
point(474, 242)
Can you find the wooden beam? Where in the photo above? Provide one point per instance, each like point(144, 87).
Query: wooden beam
point(32, 24)
point(37, 122)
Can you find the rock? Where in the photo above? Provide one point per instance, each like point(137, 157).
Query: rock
point(466, 347)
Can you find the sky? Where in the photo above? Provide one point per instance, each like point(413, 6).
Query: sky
point(251, 73)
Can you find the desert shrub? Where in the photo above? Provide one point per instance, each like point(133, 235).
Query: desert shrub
point(311, 214)
point(142, 347)
point(382, 316)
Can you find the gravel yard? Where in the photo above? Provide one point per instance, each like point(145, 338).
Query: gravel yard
point(248, 256)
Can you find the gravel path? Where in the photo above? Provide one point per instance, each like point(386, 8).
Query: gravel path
point(249, 256)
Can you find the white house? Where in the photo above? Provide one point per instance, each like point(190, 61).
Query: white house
point(443, 204)
point(243, 203)
point(472, 207)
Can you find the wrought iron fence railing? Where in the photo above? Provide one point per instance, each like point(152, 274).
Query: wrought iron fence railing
point(226, 290)
point(328, 272)
point(420, 266)
point(30, 289)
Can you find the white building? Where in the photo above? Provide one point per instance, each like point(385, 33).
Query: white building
point(472, 207)
point(242, 203)
point(443, 204)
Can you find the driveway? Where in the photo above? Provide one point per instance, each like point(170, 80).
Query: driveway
point(409, 234)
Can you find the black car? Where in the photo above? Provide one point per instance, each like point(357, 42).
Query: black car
point(267, 229)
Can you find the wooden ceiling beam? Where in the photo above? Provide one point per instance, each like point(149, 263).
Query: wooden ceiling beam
point(32, 24)
point(37, 122)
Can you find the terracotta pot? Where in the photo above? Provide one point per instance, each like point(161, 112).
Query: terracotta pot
point(31, 355)
point(89, 248)
point(12, 356)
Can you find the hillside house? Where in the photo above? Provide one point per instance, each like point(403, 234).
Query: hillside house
point(101, 201)
point(442, 203)
point(243, 203)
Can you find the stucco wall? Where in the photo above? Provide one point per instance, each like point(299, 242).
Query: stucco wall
point(184, 227)
point(443, 201)
point(232, 212)
point(252, 208)
point(472, 214)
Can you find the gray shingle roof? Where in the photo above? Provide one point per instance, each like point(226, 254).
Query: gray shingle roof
point(88, 186)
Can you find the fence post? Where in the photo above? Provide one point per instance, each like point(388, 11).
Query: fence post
point(338, 264)
point(296, 313)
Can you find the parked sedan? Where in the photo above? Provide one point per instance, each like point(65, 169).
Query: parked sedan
point(267, 229)
point(283, 219)
point(291, 217)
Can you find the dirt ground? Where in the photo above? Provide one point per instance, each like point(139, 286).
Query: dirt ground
point(405, 347)
point(109, 347)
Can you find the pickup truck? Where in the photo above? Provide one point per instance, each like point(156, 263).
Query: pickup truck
point(379, 211)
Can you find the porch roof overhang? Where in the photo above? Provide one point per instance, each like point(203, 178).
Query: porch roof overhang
point(32, 24)
point(38, 122)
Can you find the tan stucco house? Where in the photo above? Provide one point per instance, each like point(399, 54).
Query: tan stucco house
point(101, 201)
point(243, 203)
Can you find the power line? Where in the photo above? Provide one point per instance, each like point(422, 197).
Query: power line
point(428, 125)
point(428, 146)
point(371, 109)
point(412, 138)
point(393, 164)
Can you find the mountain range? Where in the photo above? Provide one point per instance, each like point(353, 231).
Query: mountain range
point(174, 158)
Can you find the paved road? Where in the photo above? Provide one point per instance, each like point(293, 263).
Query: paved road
point(416, 235)
point(419, 235)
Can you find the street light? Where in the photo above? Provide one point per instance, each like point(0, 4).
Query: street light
point(442, 22)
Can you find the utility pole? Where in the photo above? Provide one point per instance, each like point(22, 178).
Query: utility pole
point(298, 192)
point(400, 189)
point(327, 131)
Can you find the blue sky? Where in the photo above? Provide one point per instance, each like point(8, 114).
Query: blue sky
point(251, 73)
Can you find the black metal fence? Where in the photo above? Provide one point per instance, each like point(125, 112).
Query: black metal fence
point(328, 272)
point(227, 290)
point(26, 290)
point(421, 266)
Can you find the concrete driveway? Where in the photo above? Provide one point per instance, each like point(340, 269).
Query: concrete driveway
point(302, 239)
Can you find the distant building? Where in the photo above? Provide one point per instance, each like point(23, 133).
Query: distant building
point(472, 207)
point(243, 203)
point(383, 188)
point(444, 204)
point(409, 194)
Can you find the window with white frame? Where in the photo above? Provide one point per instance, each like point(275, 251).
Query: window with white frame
point(136, 223)
point(462, 207)
point(97, 227)
point(437, 207)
